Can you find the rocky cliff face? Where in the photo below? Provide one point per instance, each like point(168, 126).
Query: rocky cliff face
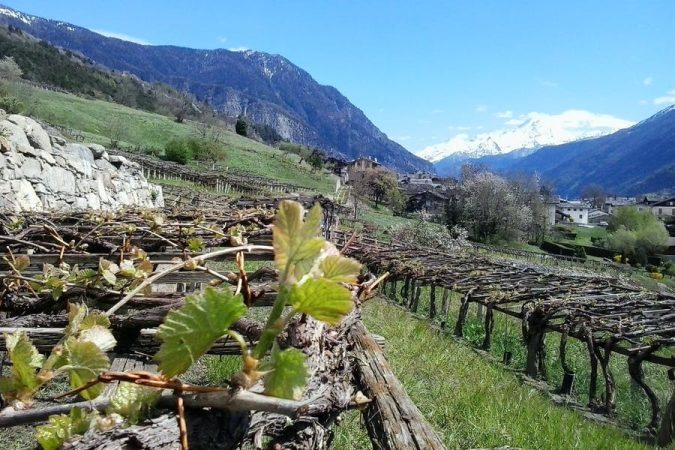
point(42, 172)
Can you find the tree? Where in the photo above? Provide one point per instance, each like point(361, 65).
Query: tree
point(241, 127)
point(595, 195)
point(176, 150)
point(636, 234)
point(315, 160)
point(380, 183)
point(360, 188)
point(397, 201)
point(454, 212)
point(115, 129)
point(9, 69)
point(205, 150)
point(493, 210)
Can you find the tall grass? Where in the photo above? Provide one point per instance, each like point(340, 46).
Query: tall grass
point(471, 402)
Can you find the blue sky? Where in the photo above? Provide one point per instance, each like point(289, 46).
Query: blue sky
point(423, 71)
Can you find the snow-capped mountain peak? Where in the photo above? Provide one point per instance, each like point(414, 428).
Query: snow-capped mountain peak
point(529, 131)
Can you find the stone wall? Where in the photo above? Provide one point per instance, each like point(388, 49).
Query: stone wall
point(43, 172)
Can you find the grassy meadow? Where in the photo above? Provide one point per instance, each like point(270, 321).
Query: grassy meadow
point(470, 401)
point(98, 121)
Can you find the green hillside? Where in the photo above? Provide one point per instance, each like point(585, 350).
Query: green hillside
point(100, 121)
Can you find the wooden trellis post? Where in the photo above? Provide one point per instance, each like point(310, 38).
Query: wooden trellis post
point(463, 310)
point(666, 433)
point(445, 305)
point(432, 302)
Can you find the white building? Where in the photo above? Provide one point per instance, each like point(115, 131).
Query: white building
point(664, 208)
point(574, 211)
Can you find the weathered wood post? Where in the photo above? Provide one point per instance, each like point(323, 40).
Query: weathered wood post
point(666, 433)
point(444, 307)
point(489, 326)
point(637, 375)
point(610, 391)
point(432, 302)
point(392, 292)
point(463, 310)
point(411, 293)
point(534, 333)
point(405, 289)
point(416, 299)
point(567, 386)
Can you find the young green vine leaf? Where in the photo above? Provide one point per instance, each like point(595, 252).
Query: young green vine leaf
point(322, 299)
point(25, 358)
point(89, 326)
point(133, 401)
point(83, 361)
point(287, 373)
point(296, 244)
point(339, 269)
point(189, 331)
point(62, 427)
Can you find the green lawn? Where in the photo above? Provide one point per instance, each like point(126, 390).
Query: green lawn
point(379, 219)
point(471, 402)
point(98, 120)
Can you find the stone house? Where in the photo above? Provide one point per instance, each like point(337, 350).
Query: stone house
point(429, 203)
point(576, 211)
point(358, 165)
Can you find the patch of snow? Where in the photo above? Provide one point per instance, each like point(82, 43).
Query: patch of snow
point(531, 131)
point(16, 15)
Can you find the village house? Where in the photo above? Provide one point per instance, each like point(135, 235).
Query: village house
point(551, 203)
point(429, 203)
point(360, 164)
point(645, 204)
point(614, 202)
point(664, 208)
point(573, 211)
point(597, 216)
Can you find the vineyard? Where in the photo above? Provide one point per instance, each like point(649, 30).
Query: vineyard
point(612, 319)
point(122, 304)
point(223, 184)
point(100, 294)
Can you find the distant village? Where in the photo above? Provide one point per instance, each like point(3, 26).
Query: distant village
point(429, 196)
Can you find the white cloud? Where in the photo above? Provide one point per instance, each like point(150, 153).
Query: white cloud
point(239, 49)
point(504, 114)
point(514, 122)
point(647, 81)
point(667, 99)
point(481, 108)
point(124, 37)
point(458, 128)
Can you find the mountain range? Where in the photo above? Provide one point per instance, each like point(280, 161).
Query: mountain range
point(528, 132)
point(631, 161)
point(267, 89)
